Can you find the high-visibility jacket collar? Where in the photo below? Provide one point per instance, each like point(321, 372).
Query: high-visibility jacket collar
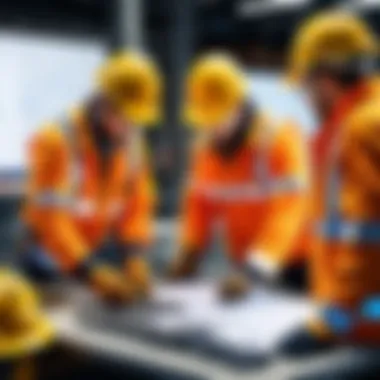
point(331, 127)
point(244, 129)
point(346, 103)
point(86, 143)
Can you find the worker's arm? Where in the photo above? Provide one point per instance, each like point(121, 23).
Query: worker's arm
point(361, 148)
point(195, 222)
point(135, 229)
point(48, 202)
point(286, 204)
point(49, 215)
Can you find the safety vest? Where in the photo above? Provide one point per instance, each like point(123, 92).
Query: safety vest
point(69, 199)
point(266, 185)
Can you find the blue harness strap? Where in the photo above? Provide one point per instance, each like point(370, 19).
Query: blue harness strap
point(341, 321)
point(337, 229)
point(338, 320)
point(370, 309)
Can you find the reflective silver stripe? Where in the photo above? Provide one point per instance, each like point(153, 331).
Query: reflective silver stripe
point(286, 185)
point(234, 192)
point(263, 185)
point(247, 191)
point(52, 199)
point(349, 231)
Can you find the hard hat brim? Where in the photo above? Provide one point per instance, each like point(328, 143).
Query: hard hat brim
point(32, 342)
point(142, 115)
point(199, 119)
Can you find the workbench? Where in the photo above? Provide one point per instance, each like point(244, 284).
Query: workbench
point(190, 337)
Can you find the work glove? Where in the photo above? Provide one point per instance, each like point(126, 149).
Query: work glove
point(234, 287)
point(185, 265)
point(138, 276)
point(109, 285)
point(258, 269)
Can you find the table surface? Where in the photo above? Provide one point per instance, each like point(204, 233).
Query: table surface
point(122, 346)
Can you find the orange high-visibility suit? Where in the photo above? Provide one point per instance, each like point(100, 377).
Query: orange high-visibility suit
point(257, 195)
point(346, 260)
point(74, 203)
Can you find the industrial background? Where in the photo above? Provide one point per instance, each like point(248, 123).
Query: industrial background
point(49, 50)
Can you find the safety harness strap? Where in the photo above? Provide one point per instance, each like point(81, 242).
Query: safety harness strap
point(337, 229)
point(342, 321)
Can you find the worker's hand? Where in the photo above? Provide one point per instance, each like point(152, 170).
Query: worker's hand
point(110, 286)
point(234, 287)
point(138, 275)
point(184, 265)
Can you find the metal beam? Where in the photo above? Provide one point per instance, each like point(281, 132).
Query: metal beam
point(130, 24)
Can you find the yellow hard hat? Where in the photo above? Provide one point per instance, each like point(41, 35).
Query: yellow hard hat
point(334, 36)
point(215, 88)
point(23, 327)
point(134, 84)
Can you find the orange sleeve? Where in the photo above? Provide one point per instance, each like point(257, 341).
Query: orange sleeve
point(47, 213)
point(360, 140)
point(287, 201)
point(196, 212)
point(136, 226)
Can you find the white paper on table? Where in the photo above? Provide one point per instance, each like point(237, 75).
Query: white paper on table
point(256, 323)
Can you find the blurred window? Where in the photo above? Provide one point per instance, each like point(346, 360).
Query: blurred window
point(41, 76)
point(278, 100)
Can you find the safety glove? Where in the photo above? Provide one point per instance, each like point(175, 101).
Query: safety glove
point(138, 275)
point(258, 269)
point(109, 285)
point(185, 264)
point(234, 287)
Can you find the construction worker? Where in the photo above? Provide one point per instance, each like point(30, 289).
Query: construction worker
point(24, 330)
point(89, 181)
point(247, 174)
point(334, 58)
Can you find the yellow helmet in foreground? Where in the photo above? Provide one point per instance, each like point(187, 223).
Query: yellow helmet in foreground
point(23, 327)
point(215, 88)
point(133, 83)
point(334, 36)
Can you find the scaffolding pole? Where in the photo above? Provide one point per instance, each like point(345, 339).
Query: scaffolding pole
point(130, 24)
